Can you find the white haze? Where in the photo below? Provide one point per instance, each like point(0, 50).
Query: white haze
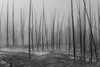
point(62, 6)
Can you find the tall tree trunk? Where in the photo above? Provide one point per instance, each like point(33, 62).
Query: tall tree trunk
point(80, 29)
point(22, 22)
point(39, 35)
point(90, 26)
point(69, 35)
point(29, 45)
point(84, 36)
point(57, 43)
point(32, 32)
point(0, 22)
point(60, 33)
point(91, 47)
point(13, 23)
point(36, 31)
point(74, 45)
point(53, 31)
point(7, 23)
point(46, 34)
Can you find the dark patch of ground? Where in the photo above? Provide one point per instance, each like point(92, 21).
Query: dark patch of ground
point(49, 60)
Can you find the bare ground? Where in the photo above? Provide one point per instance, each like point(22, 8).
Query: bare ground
point(46, 59)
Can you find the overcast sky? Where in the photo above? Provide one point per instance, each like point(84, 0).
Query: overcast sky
point(62, 6)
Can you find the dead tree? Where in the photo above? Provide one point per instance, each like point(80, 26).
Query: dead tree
point(46, 35)
point(98, 7)
point(57, 43)
point(74, 45)
point(22, 22)
point(80, 29)
point(1, 12)
point(60, 32)
point(53, 31)
point(13, 23)
point(36, 33)
point(90, 26)
point(32, 32)
point(43, 26)
point(7, 27)
point(84, 35)
point(29, 33)
point(69, 35)
point(39, 35)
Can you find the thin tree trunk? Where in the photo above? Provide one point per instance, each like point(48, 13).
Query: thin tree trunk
point(57, 43)
point(43, 27)
point(89, 21)
point(36, 31)
point(98, 6)
point(69, 35)
point(7, 23)
point(1, 12)
point(60, 33)
point(22, 27)
point(91, 47)
point(39, 35)
point(74, 45)
point(13, 23)
point(32, 32)
point(80, 29)
point(84, 36)
point(46, 34)
point(53, 31)
point(29, 45)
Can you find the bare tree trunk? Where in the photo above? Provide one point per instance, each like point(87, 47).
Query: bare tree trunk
point(98, 6)
point(0, 20)
point(91, 47)
point(32, 32)
point(29, 45)
point(7, 23)
point(46, 34)
point(42, 37)
point(69, 35)
point(36, 31)
point(84, 36)
point(39, 36)
point(60, 33)
point(57, 43)
point(89, 21)
point(22, 27)
point(80, 29)
point(53, 31)
point(43, 26)
point(13, 23)
point(74, 45)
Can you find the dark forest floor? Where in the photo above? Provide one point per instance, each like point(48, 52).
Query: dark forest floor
point(20, 59)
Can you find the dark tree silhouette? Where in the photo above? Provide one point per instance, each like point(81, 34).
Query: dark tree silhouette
point(74, 46)
point(7, 27)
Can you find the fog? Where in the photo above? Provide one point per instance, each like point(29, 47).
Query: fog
point(62, 7)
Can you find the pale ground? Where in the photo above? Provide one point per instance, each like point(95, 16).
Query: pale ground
point(38, 53)
point(3, 50)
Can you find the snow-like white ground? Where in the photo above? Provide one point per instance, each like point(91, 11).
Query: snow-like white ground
point(3, 50)
point(17, 49)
